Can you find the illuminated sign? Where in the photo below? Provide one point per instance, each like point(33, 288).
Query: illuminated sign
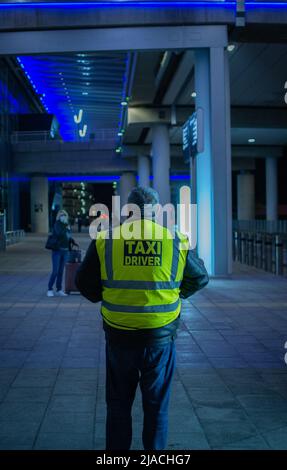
point(193, 136)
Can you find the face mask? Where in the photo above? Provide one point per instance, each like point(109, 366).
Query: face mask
point(64, 219)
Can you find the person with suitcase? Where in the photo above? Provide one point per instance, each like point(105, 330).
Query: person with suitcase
point(59, 242)
point(72, 265)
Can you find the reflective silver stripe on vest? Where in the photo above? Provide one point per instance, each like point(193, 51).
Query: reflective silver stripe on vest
point(146, 285)
point(175, 257)
point(109, 256)
point(138, 309)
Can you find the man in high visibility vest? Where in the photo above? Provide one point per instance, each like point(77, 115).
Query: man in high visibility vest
point(140, 280)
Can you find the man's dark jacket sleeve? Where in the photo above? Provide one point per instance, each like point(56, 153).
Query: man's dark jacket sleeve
point(88, 277)
point(195, 276)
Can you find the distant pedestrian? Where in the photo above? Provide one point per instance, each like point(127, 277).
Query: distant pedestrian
point(61, 242)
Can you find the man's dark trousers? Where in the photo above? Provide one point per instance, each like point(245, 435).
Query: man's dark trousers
point(150, 366)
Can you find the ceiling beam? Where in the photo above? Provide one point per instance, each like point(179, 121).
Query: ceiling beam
point(20, 17)
point(244, 151)
point(241, 117)
point(150, 38)
point(182, 73)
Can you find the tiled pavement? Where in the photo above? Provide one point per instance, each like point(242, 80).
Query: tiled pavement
point(230, 388)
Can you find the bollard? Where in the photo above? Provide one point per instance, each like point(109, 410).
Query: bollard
point(268, 253)
point(247, 248)
point(284, 255)
point(242, 247)
point(258, 249)
point(236, 256)
point(250, 249)
point(278, 255)
point(239, 247)
point(254, 249)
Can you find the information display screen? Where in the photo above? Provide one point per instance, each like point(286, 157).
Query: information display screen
point(192, 135)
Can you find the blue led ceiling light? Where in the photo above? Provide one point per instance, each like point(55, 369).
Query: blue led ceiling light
point(144, 4)
point(41, 96)
point(127, 87)
point(180, 177)
point(126, 3)
point(265, 4)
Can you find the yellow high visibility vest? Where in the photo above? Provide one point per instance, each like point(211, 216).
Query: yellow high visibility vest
point(141, 277)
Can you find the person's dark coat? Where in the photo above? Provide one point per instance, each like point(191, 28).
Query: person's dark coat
point(63, 234)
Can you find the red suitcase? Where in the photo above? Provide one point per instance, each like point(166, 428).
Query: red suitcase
point(70, 274)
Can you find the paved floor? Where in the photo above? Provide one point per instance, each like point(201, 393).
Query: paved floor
point(230, 389)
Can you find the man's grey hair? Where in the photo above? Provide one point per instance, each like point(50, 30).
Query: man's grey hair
point(142, 195)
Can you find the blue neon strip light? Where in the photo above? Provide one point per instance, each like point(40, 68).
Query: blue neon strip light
point(180, 177)
point(84, 178)
point(127, 3)
point(107, 178)
point(173, 177)
point(147, 4)
point(265, 4)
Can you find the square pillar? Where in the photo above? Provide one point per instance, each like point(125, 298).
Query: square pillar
point(143, 170)
point(213, 165)
point(245, 196)
point(39, 204)
point(271, 189)
point(161, 162)
point(127, 183)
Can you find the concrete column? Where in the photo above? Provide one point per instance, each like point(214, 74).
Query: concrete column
point(127, 183)
point(271, 189)
point(39, 204)
point(161, 162)
point(143, 170)
point(245, 196)
point(13, 203)
point(213, 165)
point(192, 172)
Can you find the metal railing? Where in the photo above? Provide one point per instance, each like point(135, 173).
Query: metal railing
point(262, 250)
point(263, 226)
point(14, 236)
point(109, 134)
point(33, 136)
point(2, 231)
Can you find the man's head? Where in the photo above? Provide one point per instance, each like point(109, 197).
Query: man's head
point(143, 195)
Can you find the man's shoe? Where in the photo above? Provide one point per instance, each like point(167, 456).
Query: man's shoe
point(61, 293)
point(50, 293)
